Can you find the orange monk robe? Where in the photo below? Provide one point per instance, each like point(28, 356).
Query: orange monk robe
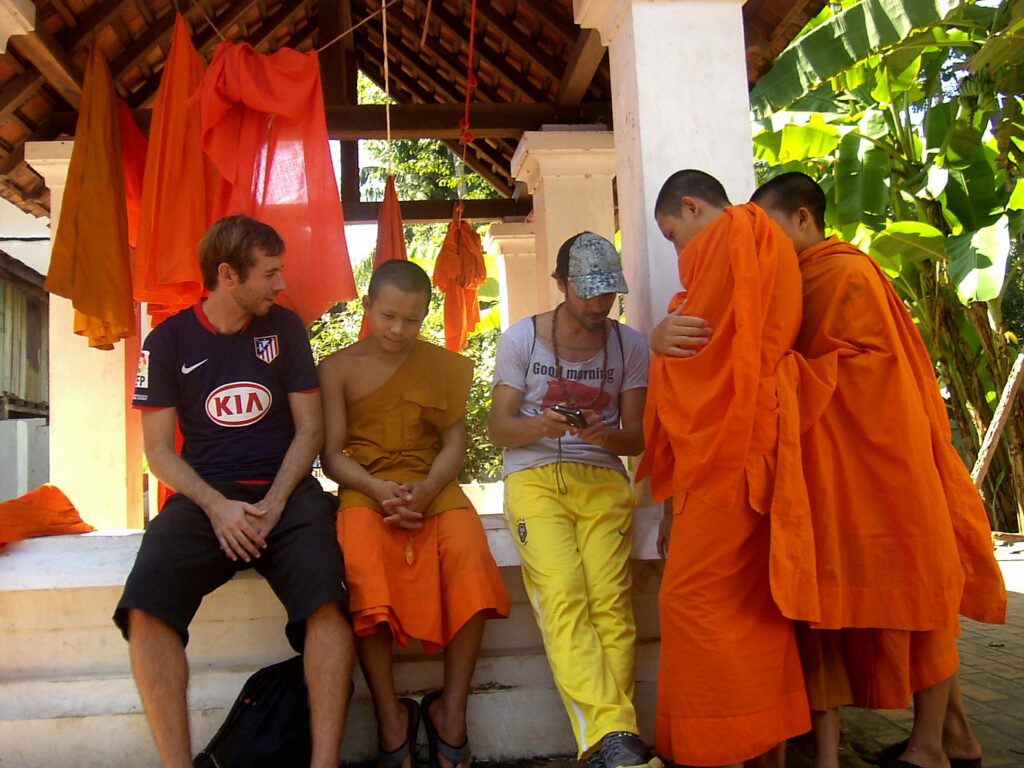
point(265, 130)
point(901, 534)
point(425, 583)
point(459, 272)
point(44, 511)
point(178, 189)
point(723, 439)
point(390, 237)
point(89, 263)
point(133, 159)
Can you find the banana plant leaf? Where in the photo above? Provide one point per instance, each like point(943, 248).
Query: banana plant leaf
point(977, 261)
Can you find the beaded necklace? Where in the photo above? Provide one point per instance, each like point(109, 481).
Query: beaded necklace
point(558, 362)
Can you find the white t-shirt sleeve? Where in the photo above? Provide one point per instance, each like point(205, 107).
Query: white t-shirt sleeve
point(513, 356)
point(637, 359)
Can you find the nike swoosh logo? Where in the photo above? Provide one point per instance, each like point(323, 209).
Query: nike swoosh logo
point(187, 369)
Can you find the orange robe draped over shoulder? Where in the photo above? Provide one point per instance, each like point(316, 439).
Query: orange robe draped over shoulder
point(425, 583)
point(902, 538)
point(723, 439)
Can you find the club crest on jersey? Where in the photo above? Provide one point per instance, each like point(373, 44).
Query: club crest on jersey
point(238, 404)
point(266, 348)
point(142, 372)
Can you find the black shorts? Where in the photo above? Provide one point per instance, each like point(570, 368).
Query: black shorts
point(180, 560)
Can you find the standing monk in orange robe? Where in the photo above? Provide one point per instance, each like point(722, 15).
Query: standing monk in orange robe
point(417, 559)
point(902, 537)
point(722, 431)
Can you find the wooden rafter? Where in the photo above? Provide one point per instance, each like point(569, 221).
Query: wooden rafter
point(587, 55)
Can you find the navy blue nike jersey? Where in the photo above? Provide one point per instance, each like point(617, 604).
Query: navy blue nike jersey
point(230, 391)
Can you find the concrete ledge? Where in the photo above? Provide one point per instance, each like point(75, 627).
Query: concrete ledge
point(67, 695)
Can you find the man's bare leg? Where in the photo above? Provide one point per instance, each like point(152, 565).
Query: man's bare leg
point(958, 740)
point(925, 746)
point(376, 659)
point(161, 674)
point(448, 713)
point(329, 657)
point(825, 730)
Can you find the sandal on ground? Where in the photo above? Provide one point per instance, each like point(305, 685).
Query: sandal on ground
point(396, 757)
point(886, 755)
point(436, 745)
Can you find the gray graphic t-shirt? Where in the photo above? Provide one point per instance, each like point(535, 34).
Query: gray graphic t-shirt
point(525, 364)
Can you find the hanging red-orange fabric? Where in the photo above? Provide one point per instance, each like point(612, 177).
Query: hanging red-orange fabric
point(390, 237)
point(89, 263)
point(459, 272)
point(264, 127)
point(133, 157)
point(177, 195)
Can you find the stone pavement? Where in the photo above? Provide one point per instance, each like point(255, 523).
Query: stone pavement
point(992, 681)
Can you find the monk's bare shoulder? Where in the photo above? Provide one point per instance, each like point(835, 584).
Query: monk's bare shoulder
point(337, 364)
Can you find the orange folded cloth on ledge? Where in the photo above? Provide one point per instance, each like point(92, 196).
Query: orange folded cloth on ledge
point(45, 511)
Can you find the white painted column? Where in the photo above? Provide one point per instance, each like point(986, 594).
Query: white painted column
point(522, 279)
point(679, 95)
point(569, 173)
point(95, 435)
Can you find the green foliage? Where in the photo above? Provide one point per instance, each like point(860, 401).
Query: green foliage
point(909, 115)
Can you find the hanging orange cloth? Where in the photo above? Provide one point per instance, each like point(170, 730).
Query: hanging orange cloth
point(45, 511)
point(133, 158)
point(264, 128)
point(89, 263)
point(723, 437)
point(177, 195)
point(902, 535)
point(390, 237)
point(459, 272)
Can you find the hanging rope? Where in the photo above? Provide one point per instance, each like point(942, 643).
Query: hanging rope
point(426, 24)
point(387, 82)
point(356, 26)
point(208, 19)
point(465, 136)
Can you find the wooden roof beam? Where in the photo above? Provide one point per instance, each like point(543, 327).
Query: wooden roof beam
point(586, 58)
point(90, 22)
point(423, 211)
point(547, 63)
point(53, 62)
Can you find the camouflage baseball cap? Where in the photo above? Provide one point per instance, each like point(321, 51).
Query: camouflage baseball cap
point(594, 266)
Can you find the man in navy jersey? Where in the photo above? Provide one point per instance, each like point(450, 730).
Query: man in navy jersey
point(236, 373)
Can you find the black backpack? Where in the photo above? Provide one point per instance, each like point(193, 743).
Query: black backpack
point(268, 725)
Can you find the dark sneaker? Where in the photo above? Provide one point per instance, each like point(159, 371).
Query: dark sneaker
point(594, 761)
point(623, 749)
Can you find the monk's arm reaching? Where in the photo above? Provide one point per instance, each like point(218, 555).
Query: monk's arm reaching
point(233, 521)
point(445, 468)
point(679, 335)
point(506, 428)
point(307, 415)
point(628, 438)
point(336, 463)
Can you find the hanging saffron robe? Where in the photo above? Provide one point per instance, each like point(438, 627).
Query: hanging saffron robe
point(133, 159)
point(177, 194)
point(89, 263)
point(390, 237)
point(425, 583)
point(264, 128)
point(459, 272)
point(902, 537)
point(722, 432)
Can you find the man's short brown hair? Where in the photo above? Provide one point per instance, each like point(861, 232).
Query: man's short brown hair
point(232, 241)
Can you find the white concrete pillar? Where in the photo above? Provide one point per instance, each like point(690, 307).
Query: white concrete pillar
point(679, 98)
point(522, 279)
point(95, 435)
point(569, 173)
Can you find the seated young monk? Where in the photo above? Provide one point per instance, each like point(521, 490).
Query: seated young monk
point(418, 560)
point(722, 428)
point(901, 535)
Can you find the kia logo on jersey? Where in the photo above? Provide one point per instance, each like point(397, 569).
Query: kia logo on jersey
point(238, 404)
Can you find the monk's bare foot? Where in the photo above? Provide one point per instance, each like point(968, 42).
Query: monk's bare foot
point(961, 747)
point(925, 757)
point(451, 728)
point(393, 734)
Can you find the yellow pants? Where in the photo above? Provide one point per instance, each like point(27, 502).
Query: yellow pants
point(575, 550)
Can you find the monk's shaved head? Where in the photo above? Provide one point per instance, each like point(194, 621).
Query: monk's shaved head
point(401, 274)
point(689, 183)
point(789, 192)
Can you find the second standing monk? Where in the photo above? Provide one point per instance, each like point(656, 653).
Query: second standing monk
point(419, 562)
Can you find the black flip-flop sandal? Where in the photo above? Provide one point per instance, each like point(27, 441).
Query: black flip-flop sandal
point(396, 757)
point(436, 745)
point(886, 755)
